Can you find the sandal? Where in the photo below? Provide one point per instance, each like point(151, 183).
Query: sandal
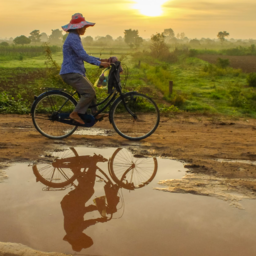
point(77, 119)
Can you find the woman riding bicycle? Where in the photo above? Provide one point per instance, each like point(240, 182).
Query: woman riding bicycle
point(72, 69)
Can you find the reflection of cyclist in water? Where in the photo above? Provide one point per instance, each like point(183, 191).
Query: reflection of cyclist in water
point(74, 209)
point(127, 170)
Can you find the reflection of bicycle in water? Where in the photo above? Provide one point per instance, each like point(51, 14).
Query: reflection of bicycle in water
point(127, 171)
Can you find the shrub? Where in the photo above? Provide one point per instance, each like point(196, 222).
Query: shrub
point(4, 44)
point(167, 110)
point(165, 66)
point(238, 99)
point(157, 69)
point(223, 63)
point(10, 105)
point(252, 48)
point(251, 79)
point(208, 68)
point(253, 97)
point(192, 53)
point(20, 57)
point(177, 99)
point(220, 72)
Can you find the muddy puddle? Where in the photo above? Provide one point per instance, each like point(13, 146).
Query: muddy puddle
point(64, 203)
point(237, 161)
point(94, 132)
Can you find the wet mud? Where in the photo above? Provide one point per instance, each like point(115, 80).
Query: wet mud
point(208, 185)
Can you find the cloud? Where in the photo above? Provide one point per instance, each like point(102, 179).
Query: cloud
point(205, 10)
point(240, 6)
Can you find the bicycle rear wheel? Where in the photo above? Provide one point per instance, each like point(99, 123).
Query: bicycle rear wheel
point(146, 116)
point(132, 171)
point(45, 112)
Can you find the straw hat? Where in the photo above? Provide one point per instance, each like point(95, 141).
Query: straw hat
point(77, 21)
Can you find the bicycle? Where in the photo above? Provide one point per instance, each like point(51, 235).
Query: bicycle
point(133, 115)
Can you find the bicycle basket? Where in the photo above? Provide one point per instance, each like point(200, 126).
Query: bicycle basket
point(102, 81)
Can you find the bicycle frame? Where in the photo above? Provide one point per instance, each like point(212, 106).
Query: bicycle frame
point(72, 161)
point(114, 94)
point(111, 97)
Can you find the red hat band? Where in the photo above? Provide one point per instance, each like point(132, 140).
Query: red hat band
point(78, 20)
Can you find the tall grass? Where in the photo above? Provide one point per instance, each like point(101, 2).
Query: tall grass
point(200, 86)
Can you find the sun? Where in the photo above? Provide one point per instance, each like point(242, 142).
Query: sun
point(151, 8)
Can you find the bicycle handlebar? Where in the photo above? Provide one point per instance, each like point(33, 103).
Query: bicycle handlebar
point(112, 64)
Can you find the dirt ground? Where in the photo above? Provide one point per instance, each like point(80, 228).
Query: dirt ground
point(246, 63)
point(198, 140)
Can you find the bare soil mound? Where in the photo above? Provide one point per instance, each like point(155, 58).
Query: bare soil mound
point(246, 63)
point(11, 249)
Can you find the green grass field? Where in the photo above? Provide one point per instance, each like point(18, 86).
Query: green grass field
point(198, 86)
point(10, 57)
point(201, 87)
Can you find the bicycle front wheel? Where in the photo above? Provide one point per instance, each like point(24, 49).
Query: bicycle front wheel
point(57, 174)
point(142, 120)
point(45, 112)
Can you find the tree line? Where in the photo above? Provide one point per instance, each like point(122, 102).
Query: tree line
point(131, 38)
point(57, 38)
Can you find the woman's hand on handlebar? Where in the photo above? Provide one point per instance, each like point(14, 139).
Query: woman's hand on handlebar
point(105, 60)
point(104, 64)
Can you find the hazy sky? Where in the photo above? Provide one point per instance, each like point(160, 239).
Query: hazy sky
point(193, 17)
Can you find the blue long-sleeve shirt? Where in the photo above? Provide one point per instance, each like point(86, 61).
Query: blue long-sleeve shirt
point(74, 56)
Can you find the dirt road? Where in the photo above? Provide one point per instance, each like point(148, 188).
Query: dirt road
point(198, 140)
